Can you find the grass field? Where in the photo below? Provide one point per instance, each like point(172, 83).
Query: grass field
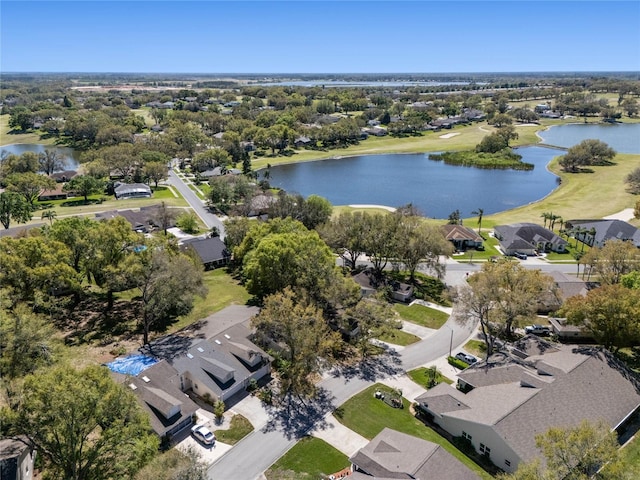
point(239, 428)
point(368, 416)
point(421, 315)
point(399, 337)
point(309, 459)
point(224, 290)
point(419, 376)
point(7, 137)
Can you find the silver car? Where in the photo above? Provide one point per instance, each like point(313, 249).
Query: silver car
point(203, 434)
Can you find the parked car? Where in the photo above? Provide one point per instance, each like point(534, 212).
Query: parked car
point(537, 329)
point(203, 434)
point(466, 358)
point(520, 255)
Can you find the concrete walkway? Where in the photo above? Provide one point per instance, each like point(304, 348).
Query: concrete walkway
point(340, 437)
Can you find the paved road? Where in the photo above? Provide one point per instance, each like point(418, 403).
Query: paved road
point(209, 219)
point(258, 451)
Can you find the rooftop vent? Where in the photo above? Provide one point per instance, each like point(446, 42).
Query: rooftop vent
point(218, 342)
point(189, 355)
point(132, 386)
point(146, 379)
point(227, 336)
point(200, 349)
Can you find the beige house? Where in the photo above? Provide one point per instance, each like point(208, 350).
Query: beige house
point(16, 459)
point(538, 385)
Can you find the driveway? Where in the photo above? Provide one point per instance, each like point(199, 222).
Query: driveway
point(285, 426)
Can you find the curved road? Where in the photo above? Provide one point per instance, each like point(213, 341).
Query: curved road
point(258, 451)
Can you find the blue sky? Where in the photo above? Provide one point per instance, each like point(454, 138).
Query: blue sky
point(319, 36)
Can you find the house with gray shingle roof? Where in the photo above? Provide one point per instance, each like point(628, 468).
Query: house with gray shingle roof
point(528, 238)
point(512, 397)
point(392, 454)
point(159, 392)
point(598, 232)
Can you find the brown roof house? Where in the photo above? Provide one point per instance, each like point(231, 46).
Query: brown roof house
point(369, 284)
point(528, 238)
point(392, 454)
point(519, 394)
point(462, 237)
point(16, 459)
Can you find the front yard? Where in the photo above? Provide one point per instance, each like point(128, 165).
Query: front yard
point(309, 459)
point(421, 315)
point(368, 416)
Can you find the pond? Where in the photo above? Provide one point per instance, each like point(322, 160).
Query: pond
point(435, 188)
point(69, 154)
point(622, 137)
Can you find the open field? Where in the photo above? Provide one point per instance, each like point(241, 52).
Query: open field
point(309, 459)
point(368, 416)
point(7, 138)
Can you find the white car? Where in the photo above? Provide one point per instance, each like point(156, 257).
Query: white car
point(203, 434)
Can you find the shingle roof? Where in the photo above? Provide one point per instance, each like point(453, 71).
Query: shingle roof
point(556, 385)
point(209, 249)
point(460, 232)
point(608, 230)
point(526, 235)
point(392, 454)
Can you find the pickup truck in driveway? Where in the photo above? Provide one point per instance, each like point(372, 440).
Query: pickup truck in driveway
point(537, 329)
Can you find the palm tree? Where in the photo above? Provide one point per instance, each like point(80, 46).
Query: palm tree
point(546, 216)
point(552, 220)
point(49, 215)
point(479, 212)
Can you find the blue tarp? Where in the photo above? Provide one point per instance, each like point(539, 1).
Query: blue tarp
point(131, 365)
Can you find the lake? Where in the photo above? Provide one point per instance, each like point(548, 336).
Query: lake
point(622, 137)
point(71, 156)
point(435, 188)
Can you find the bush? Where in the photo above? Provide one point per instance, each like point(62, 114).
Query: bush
point(253, 385)
point(188, 222)
point(457, 363)
point(218, 410)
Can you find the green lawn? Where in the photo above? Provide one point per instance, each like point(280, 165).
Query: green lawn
point(8, 137)
point(421, 315)
point(309, 459)
point(399, 337)
point(490, 250)
point(239, 428)
point(419, 376)
point(476, 347)
point(368, 416)
point(224, 290)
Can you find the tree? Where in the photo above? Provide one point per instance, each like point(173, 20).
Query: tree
point(51, 161)
point(631, 280)
point(167, 282)
point(164, 216)
point(83, 424)
point(610, 313)
point(316, 211)
point(235, 230)
point(492, 143)
point(29, 185)
point(479, 212)
point(347, 235)
point(420, 244)
point(380, 242)
point(306, 342)
point(633, 181)
point(27, 162)
point(187, 222)
point(300, 260)
point(21, 117)
point(615, 259)
point(500, 120)
point(49, 215)
point(373, 318)
point(630, 105)
point(26, 342)
point(454, 218)
point(578, 452)
point(84, 185)
point(14, 207)
point(155, 172)
point(586, 153)
point(218, 410)
point(35, 269)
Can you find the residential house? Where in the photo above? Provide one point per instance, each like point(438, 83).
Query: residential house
point(528, 238)
point(301, 142)
point(144, 220)
point(462, 237)
point(598, 232)
point(16, 459)
point(376, 131)
point(392, 454)
point(567, 332)
point(160, 392)
point(221, 366)
point(211, 251)
point(131, 190)
point(370, 283)
point(64, 176)
point(518, 394)
point(567, 286)
point(57, 193)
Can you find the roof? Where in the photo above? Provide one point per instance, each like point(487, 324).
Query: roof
point(140, 219)
point(460, 232)
point(222, 361)
point(526, 236)
point(209, 250)
point(131, 189)
point(161, 396)
point(608, 230)
point(569, 286)
point(11, 448)
point(392, 454)
point(548, 385)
